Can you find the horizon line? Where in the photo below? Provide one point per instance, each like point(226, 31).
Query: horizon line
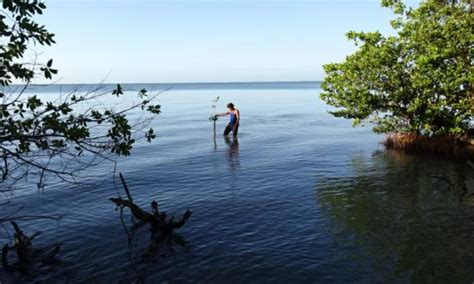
point(182, 83)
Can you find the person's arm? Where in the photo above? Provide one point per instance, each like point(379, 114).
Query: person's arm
point(222, 113)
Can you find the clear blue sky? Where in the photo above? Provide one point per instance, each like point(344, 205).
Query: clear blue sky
point(203, 41)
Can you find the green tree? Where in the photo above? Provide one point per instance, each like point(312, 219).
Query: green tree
point(418, 81)
point(63, 136)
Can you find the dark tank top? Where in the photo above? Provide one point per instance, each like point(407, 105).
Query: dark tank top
point(233, 118)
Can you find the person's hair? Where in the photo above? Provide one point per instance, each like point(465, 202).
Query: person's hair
point(230, 105)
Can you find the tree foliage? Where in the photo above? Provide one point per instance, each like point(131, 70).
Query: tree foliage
point(420, 80)
point(61, 136)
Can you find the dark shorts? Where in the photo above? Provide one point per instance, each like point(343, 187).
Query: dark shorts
point(229, 128)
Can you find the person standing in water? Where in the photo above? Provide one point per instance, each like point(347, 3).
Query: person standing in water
point(234, 119)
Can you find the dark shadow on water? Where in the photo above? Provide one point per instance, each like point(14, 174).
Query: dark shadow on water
point(405, 215)
point(232, 152)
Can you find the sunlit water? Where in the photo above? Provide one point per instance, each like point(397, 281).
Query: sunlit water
point(299, 197)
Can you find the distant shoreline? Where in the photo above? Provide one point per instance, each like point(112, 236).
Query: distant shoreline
point(180, 86)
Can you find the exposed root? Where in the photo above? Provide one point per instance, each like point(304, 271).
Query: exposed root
point(450, 146)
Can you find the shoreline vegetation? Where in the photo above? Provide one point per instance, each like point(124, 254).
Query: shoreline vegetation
point(415, 86)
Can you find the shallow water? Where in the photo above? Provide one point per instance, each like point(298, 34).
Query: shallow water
point(299, 197)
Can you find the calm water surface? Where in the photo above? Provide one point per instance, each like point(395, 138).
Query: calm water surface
point(299, 197)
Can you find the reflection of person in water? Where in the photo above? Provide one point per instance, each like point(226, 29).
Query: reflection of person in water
point(232, 151)
point(234, 119)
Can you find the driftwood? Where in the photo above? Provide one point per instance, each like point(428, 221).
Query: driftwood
point(158, 220)
point(25, 252)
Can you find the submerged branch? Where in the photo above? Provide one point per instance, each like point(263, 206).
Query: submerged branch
point(158, 220)
point(25, 252)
